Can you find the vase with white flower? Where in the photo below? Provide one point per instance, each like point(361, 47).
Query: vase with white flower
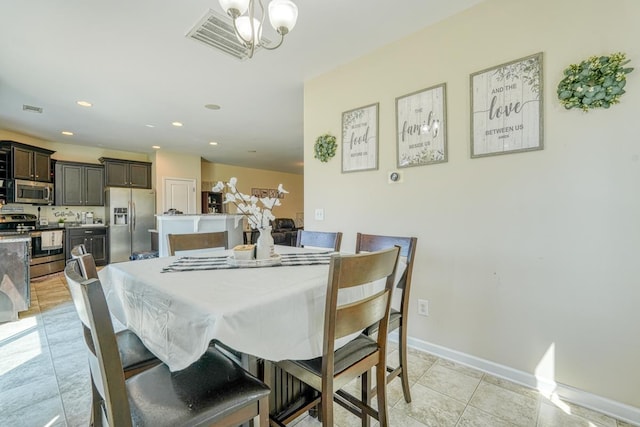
point(259, 217)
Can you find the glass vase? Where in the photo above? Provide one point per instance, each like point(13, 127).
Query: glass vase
point(264, 245)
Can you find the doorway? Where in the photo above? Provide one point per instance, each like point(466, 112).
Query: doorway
point(179, 194)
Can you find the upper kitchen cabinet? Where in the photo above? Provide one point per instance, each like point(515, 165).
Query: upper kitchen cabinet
point(126, 173)
point(28, 162)
point(4, 175)
point(79, 184)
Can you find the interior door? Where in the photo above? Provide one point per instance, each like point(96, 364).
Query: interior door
point(179, 194)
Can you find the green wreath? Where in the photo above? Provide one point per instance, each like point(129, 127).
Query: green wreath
point(325, 147)
point(597, 82)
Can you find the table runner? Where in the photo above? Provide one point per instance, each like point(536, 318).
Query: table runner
point(194, 263)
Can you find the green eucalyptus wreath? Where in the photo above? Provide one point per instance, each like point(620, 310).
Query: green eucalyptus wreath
point(325, 147)
point(597, 82)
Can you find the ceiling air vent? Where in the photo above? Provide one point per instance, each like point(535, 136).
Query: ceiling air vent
point(216, 31)
point(31, 108)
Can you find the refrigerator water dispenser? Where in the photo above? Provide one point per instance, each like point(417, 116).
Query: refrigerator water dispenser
point(120, 216)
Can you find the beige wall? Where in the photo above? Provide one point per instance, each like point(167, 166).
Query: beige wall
point(519, 255)
point(248, 178)
point(73, 153)
point(167, 164)
point(170, 164)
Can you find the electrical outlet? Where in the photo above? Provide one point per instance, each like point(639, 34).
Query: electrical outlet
point(423, 307)
point(319, 214)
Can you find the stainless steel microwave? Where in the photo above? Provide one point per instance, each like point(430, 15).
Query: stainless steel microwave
point(33, 192)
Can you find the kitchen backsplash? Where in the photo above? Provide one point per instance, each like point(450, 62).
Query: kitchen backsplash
point(54, 213)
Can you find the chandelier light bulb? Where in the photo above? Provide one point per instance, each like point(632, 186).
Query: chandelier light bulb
point(245, 35)
point(283, 15)
point(234, 8)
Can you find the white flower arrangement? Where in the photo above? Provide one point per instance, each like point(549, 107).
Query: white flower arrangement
point(258, 217)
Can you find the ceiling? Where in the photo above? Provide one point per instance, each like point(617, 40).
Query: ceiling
point(133, 62)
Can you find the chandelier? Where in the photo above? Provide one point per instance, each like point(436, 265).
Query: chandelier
point(282, 15)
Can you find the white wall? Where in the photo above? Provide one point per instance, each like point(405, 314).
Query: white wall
point(516, 253)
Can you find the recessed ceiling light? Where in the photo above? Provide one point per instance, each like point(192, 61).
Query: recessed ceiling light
point(150, 126)
point(212, 106)
point(66, 132)
point(177, 124)
point(156, 147)
point(84, 104)
point(213, 143)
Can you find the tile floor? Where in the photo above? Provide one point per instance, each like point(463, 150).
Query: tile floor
point(44, 381)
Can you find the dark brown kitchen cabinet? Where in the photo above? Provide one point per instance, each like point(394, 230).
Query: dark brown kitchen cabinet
point(212, 202)
point(126, 173)
point(28, 162)
point(95, 239)
point(4, 175)
point(31, 165)
point(79, 184)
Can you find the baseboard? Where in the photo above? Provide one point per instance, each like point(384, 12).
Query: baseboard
point(620, 411)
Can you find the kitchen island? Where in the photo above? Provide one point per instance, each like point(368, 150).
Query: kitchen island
point(15, 292)
point(204, 223)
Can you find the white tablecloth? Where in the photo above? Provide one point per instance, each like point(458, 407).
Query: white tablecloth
point(273, 313)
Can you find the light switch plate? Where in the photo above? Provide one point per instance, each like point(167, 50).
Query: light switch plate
point(319, 214)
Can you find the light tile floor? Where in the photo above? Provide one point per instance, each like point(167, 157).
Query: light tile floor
point(44, 381)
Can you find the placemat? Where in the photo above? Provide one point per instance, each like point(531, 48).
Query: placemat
point(193, 263)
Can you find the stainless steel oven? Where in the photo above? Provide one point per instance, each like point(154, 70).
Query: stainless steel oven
point(47, 255)
point(46, 251)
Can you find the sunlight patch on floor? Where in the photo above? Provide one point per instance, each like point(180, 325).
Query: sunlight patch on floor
point(22, 341)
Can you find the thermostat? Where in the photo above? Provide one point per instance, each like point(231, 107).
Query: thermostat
point(394, 177)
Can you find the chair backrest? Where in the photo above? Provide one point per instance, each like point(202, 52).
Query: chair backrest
point(319, 239)
point(193, 241)
point(372, 242)
point(87, 264)
point(347, 271)
point(104, 357)
point(283, 223)
point(78, 250)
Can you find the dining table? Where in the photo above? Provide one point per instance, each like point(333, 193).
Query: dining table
point(178, 305)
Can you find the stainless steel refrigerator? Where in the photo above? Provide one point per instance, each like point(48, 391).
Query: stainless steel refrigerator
point(131, 215)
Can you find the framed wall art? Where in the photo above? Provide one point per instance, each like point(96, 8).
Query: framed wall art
point(506, 108)
point(421, 127)
point(360, 139)
point(267, 192)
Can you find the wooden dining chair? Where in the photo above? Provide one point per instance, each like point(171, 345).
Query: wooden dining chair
point(193, 241)
point(336, 367)
point(319, 239)
point(134, 355)
point(213, 391)
point(397, 319)
point(87, 264)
